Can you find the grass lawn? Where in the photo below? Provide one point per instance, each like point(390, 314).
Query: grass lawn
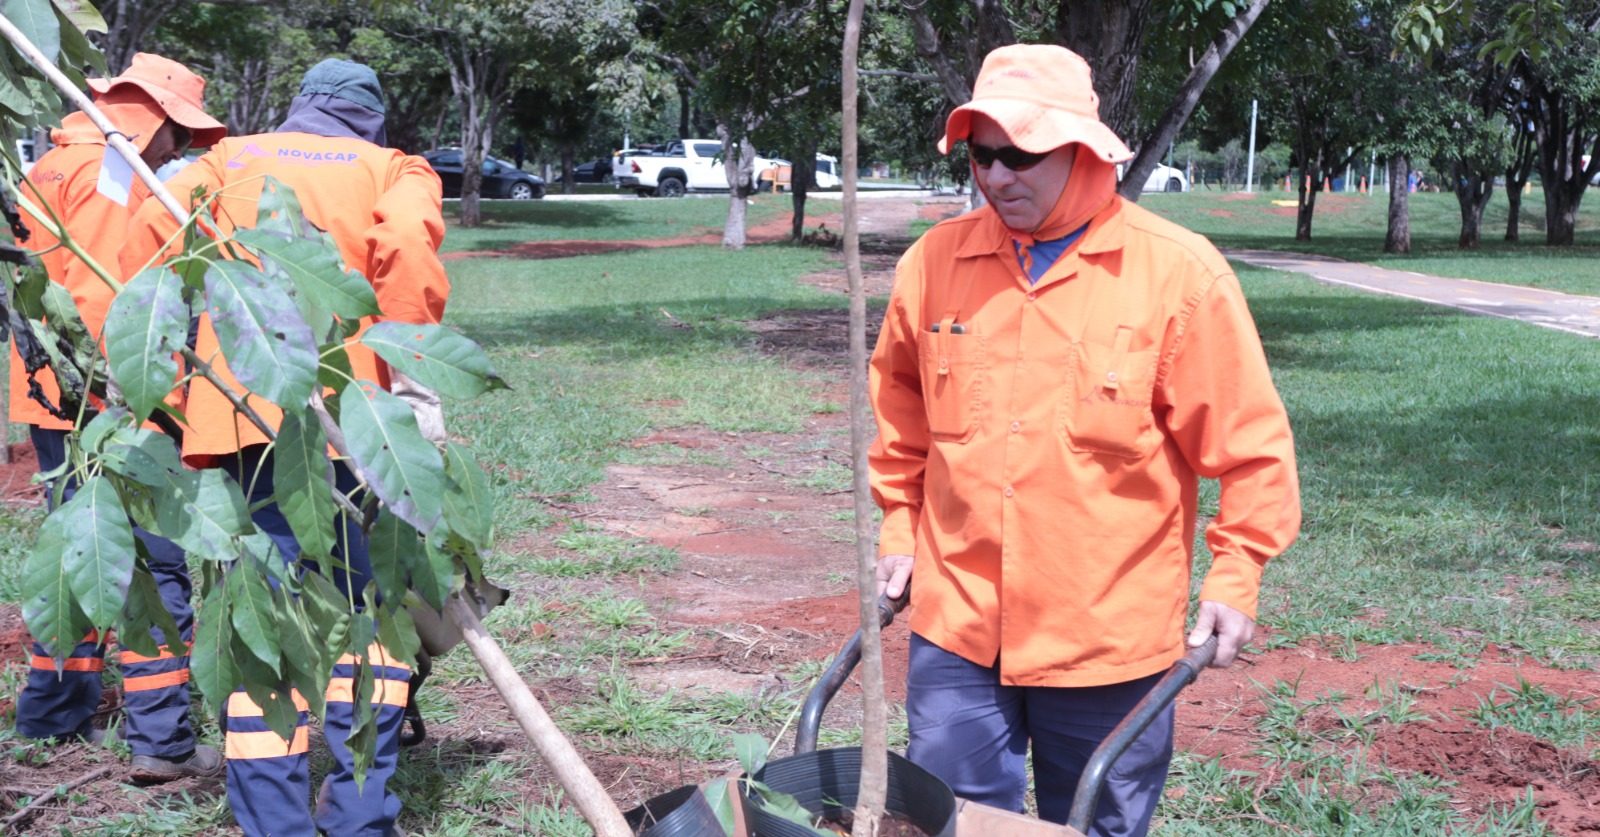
point(510, 222)
point(1352, 227)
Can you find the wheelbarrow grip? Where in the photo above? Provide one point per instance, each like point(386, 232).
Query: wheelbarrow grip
point(805, 736)
point(1087, 796)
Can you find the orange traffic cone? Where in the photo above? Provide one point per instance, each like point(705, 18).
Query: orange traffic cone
point(1327, 185)
point(1363, 185)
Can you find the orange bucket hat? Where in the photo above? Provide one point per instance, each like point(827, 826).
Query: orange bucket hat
point(177, 91)
point(1043, 97)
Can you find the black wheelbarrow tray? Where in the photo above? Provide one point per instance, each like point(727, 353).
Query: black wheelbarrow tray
point(971, 819)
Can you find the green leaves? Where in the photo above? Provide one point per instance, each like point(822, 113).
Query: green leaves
point(202, 511)
point(255, 623)
point(99, 553)
point(269, 348)
point(147, 323)
point(37, 20)
point(211, 664)
point(469, 501)
point(300, 473)
point(403, 469)
point(436, 357)
point(54, 619)
point(313, 266)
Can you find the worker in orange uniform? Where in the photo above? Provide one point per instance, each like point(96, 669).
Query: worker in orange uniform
point(383, 210)
point(158, 105)
point(1055, 373)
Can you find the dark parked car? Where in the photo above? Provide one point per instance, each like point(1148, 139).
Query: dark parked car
point(500, 178)
point(593, 171)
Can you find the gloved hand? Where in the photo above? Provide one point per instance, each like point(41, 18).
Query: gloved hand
point(424, 405)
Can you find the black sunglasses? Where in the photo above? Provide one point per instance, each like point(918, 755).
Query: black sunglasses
point(1013, 157)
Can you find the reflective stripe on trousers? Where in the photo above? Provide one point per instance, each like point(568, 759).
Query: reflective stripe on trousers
point(269, 782)
point(155, 689)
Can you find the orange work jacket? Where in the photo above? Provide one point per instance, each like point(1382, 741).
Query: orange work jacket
point(65, 180)
point(381, 206)
point(1040, 445)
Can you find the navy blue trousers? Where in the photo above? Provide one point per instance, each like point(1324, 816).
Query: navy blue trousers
point(269, 780)
point(973, 732)
point(155, 689)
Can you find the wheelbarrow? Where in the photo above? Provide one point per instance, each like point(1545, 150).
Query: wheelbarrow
point(975, 819)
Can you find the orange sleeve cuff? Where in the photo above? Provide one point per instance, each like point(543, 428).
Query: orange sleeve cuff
point(1234, 581)
point(898, 534)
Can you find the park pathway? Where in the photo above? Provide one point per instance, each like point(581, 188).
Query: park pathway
point(1549, 309)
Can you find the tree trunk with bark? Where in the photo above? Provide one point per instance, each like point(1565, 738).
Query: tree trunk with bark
point(738, 163)
point(1564, 134)
point(801, 176)
point(874, 786)
point(1398, 238)
point(1524, 151)
point(1306, 209)
point(1188, 96)
point(478, 80)
point(1109, 34)
point(1561, 202)
point(1473, 190)
point(569, 185)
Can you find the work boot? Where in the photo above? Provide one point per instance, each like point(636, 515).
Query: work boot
point(203, 762)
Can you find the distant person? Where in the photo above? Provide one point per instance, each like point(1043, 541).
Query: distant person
point(1055, 373)
point(158, 104)
point(382, 209)
point(519, 152)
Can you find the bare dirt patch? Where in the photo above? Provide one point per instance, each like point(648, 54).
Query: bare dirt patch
point(775, 230)
point(1218, 716)
point(16, 477)
point(1220, 213)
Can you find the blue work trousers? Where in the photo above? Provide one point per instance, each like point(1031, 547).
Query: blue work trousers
point(155, 689)
point(269, 780)
point(973, 732)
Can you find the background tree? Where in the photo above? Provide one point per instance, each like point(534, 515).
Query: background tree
point(1561, 83)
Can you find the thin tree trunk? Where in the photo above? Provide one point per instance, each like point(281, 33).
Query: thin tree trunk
point(801, 176)
point(1182, 107)
point(1398, 239)
point(568, 170)
point(1524, 152)
point(874, 721)
point(1513, 209)
point(1309, 187)
point(1473, 190)
point(736, 160)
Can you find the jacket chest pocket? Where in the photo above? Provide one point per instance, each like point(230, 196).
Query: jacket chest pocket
point(1106, 409)
point(952, 384)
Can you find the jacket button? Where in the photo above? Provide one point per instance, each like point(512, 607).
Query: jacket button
point(1009, 492)
point(1032, 297)
point(1016, 426)
point(1111, 376)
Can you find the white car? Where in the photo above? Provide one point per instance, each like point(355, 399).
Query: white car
point(1166, 179)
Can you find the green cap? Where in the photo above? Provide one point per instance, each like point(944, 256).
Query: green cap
point(345, 80)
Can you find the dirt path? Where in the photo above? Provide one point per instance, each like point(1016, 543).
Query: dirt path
point(1547, 309)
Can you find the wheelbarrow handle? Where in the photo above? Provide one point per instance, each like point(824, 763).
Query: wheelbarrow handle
point(1087, 796)
point(805, 736)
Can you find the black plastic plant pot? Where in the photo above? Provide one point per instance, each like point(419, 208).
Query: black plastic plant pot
point(826, 782)
point(684, 812)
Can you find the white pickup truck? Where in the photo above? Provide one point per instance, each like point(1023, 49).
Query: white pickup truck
point(684, 166)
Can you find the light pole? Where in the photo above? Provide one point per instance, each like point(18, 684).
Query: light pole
point(1250, 165)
